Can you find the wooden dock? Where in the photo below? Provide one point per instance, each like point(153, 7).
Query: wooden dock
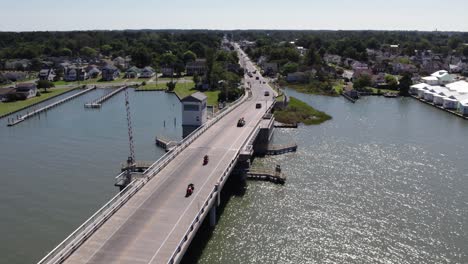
point(266, 175)
point(165, 143)
point(349, 98)
point(281, 149)
point(98, 102)
point(12, 122)
point(285, 125)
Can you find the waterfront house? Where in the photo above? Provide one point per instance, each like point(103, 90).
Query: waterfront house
point(194, 109)
point(450, 102)
point(110, 73)
point(415, 88)
point(196, 67)
point(74, 73)
point(167, 71)
point(147, 72)
point(25, 90)
point(93, 71)
point(6, 93)
point(132, 72)
point(463, 107)
point(460, 87)
point(47, 74)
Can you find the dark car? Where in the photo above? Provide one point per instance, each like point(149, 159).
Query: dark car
point(266, 93)
point(258, 105)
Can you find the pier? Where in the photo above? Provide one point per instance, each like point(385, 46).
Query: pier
point(165, 143)
point(98, 102)
point(275, 176)
point(281, 149)
point(285, 125)
point(12, 122)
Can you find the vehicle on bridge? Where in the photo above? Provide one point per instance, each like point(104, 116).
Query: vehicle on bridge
point(205, 160)
point(266, 93)
point(190, 189)
point(257, 78)
point(241, 122)
point(258, 105)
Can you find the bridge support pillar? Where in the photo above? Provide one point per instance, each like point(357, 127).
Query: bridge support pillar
point(213, 216)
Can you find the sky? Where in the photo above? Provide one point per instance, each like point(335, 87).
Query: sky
point(65, 15)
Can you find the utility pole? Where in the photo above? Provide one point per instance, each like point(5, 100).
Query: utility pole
point(131, 158)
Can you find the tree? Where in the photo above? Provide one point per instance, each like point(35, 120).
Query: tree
point(290, 67)
point(44, 84)
point(465, 51)
point(189, 56)
point(171, 86)
point(405, 83)
point(198, 49)
point(362, 82)
point(391, 81)
point(168, 59)
point(65, 52)
point(196, 79)
point(106, 49)
point(88, 52)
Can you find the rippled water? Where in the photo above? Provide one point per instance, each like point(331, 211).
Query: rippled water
point(385, 181)
point(59, 168)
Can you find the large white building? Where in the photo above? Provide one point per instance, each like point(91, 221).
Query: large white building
point(194, 109)
point(440, 90)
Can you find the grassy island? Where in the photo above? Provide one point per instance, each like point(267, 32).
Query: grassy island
point(298, 111)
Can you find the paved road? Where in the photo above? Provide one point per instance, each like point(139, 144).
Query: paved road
point(150, 225)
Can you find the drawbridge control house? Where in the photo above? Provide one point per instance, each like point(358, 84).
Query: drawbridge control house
point(194, 110)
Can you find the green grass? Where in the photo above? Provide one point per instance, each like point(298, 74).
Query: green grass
point(310, 89)
point(338, 87)
point(185, 89)
point(298, 111)
point(153, 86)
point(8, 107)
point(375, 90)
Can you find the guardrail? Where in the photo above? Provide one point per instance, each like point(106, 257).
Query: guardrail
point(73, 241)
point(175, 256)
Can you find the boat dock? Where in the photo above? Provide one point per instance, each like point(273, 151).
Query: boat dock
point(98, 102)
point(285, 125)
point(275, 176)
point(281, 149)
point(165, 143)
point(12, 121)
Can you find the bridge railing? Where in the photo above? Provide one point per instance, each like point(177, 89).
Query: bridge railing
point(175, 256)
point(73, 241)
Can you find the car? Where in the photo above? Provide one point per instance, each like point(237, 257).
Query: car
point(266, 93)
point(257, 78)
point(258, 105)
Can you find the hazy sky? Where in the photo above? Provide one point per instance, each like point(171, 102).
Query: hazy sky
point(34, 15)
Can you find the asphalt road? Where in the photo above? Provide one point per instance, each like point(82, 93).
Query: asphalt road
point(148, 228)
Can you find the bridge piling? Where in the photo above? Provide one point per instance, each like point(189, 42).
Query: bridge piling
point(213, 216)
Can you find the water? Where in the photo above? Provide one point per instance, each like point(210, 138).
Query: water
point(385, 181)
point(58, 168)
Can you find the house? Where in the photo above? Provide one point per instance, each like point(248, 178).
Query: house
point(460, 87)
point(17, 64)
point(463, 107)
point(119, 62)
point(132, 72)
point(443, 77)
point(74, 73)
point(415, 88)
point(167, 71)
point(110, 73)
point(47, 74)
point(270, 68)
point(296, 77)
point(359, 69)
point(333, 59)
point(196, 67)
point(5, 93)
point(401, 68)
point(93, 71)
point(379, 78)
point(194, 109)
point(25, 90)
point(147, 72)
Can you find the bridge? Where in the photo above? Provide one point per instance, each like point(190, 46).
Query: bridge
point(151, 220)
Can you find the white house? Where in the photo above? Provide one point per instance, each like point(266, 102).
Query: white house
point(443, 77)
point(194, 109)
point(463, 107)
point(450, 102)
point(431, 80)
point(460, 87)
point(415, 88)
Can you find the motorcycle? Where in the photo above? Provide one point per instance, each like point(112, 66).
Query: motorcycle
point(205, 160)
point(190, 189)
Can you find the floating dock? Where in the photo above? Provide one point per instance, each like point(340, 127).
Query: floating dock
point(165, 143)
point(98, 102)
point(281, 149)
point(285, 125)
point(352, 100)
point(47, 107)
point(266, 175)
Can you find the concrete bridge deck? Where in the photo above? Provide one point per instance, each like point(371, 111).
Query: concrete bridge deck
point(150, 226)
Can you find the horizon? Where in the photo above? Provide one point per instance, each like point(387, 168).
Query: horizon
point(334, 15)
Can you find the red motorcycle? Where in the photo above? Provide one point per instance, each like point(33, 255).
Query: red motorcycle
point(190, 189)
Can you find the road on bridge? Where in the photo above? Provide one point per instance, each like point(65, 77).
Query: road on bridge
point(148, 228)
